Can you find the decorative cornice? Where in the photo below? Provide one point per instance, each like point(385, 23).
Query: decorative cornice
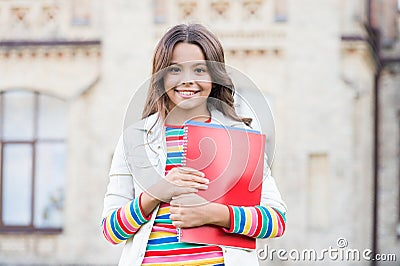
point(52, 43)
point(22, 50)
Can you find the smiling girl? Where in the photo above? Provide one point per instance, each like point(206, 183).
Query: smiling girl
point(185, 86)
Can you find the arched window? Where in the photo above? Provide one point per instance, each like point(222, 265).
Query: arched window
point(32, 161)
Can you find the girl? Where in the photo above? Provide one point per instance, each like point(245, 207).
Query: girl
point(141, 205)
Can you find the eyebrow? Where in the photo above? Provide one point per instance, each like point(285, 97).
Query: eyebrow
point(178, 64)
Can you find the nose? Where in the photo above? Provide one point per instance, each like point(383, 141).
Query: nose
point(187, 83)
point(187, 78)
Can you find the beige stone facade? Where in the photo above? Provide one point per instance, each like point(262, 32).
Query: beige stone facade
point(311, 59)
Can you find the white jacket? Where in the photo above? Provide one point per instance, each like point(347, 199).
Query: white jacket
point(147, 162)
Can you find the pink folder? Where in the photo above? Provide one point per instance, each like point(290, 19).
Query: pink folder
point(233, 160)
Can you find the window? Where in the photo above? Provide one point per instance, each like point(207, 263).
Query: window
point(280, 11)
point(32, 161)
point(160, 11)
point(318, 193)
point(81, 12)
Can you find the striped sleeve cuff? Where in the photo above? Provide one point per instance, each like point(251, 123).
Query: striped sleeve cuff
point(124, 222)
point(232, 220)
point(257, 222)
point(148, 217)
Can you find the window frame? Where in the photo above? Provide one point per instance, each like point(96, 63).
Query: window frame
point(33, 143)
point(398, 174)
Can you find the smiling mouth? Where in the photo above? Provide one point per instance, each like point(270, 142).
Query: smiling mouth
point(187, 93)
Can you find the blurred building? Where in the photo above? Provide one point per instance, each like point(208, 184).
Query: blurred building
point(330, 70)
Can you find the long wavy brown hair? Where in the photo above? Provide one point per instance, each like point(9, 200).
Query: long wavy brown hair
point(222, 87)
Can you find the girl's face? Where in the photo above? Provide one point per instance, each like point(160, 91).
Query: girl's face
point(187, 81)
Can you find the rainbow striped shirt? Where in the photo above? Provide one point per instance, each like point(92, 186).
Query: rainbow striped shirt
point(163, 246)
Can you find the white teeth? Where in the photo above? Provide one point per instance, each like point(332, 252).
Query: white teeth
point(186, 93)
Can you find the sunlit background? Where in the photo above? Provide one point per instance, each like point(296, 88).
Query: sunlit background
point(330, 70)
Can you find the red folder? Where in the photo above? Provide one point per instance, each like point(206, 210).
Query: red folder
point(233, 160)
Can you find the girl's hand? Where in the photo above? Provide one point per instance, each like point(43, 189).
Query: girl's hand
point(187, 177)
point(191, 210)
point(179, 181)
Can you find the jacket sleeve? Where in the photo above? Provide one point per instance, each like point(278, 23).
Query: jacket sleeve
point(265, 220)
point(122, 214)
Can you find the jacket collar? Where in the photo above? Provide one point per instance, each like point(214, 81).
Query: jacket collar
point(216, 118)
point(219, 118)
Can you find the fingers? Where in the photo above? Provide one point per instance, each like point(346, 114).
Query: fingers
point(191, 184)
point(194, 178)
point(190, 174)
point(188, 170)
point(175, 216)
point(174, 210)
point(187, 177)
point(188, 180)
point(178, 224)
point(164, 190)
point(181, 180)
point(180, 190)
point(188, 200)
point(185, 217)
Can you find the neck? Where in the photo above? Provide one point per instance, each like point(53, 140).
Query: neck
point(179, 116)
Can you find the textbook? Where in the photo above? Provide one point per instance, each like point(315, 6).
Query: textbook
point(233, 160)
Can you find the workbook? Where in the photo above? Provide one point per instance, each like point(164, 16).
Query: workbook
point(232, 159)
